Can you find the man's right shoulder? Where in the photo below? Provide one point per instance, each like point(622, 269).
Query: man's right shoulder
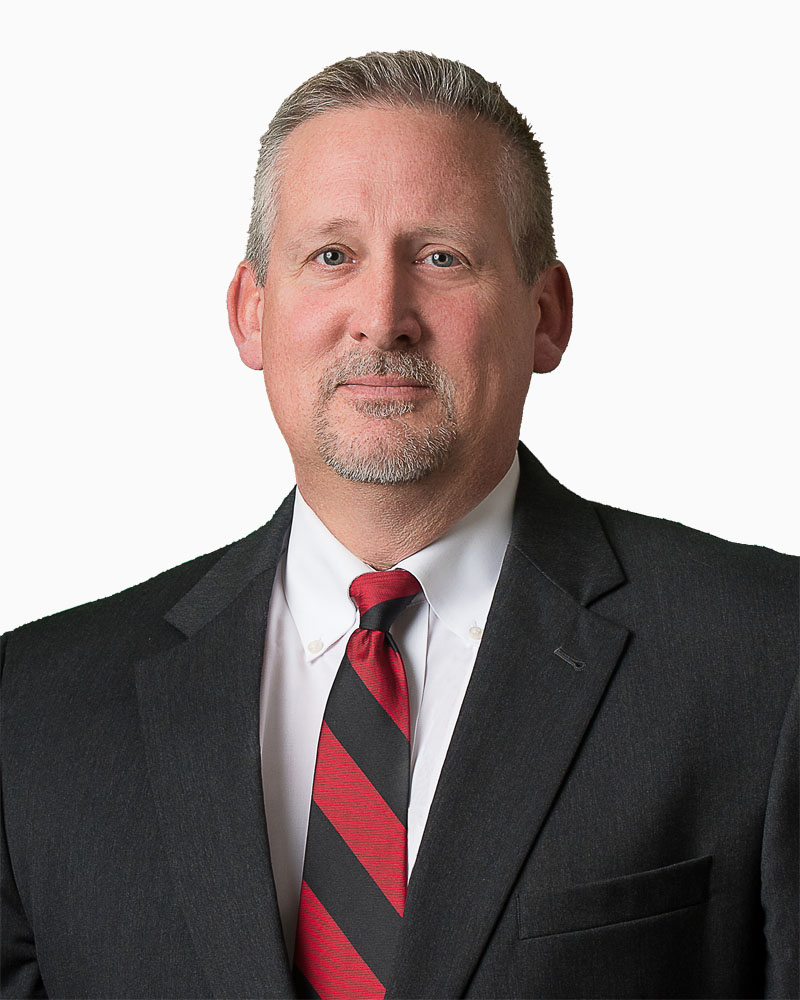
point(121, 626)
point(158, 591)
point(129, 623)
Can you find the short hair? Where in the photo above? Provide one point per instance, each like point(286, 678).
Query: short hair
point(415, 79)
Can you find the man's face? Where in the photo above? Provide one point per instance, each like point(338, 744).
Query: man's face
point(397, 338)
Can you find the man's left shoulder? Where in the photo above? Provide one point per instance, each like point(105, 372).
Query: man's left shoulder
point(676, 550)
point(697, 581)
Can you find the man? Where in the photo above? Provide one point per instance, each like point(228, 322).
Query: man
point(507, 742)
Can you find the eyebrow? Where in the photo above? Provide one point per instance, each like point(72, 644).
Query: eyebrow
point(335, 227)
point(331, 228)
point(446, 232)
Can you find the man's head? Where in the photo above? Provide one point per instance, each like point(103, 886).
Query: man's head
point(415, 79)
point(402, 312)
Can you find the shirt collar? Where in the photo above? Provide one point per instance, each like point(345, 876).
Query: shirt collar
point(318, 574)
point(458, 572)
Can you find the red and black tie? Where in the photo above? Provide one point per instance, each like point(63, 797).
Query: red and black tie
point(356, 863)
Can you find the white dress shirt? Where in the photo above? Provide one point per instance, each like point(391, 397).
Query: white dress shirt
point(311, 617)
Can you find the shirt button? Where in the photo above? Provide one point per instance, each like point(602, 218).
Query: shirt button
point(475, 632)
point(314, 646)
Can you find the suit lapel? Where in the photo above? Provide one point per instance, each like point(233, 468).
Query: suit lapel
point(198, 704)
point(524, 716)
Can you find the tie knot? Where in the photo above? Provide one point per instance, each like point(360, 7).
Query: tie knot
point(381, 596)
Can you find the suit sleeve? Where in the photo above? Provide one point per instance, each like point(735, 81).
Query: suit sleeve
point(19, 971)
point(779, 863)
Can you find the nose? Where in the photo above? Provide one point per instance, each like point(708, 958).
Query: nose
point(384, 316)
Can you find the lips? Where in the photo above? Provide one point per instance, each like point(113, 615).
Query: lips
point(386, 377)
point(383, 382)
point(386, 387)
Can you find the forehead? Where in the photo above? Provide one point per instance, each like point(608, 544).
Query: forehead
point(389, 160)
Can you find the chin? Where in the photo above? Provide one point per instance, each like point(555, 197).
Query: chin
point(391, 453)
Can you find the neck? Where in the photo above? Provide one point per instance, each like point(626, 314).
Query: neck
point(384, 524)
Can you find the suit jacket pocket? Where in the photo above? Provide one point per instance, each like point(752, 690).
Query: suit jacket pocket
point(614, 900)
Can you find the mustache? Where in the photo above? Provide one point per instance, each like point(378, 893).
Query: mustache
point(399, 363)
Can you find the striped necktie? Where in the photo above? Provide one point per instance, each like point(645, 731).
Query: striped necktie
point(355, 871)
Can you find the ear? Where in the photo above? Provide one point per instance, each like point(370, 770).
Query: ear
point(244, 314)
point(554, 296)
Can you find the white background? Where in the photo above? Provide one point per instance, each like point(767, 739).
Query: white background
point(133, 436)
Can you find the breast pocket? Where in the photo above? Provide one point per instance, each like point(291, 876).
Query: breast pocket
point(614, 900)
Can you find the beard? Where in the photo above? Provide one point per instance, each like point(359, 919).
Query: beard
point(397, 451)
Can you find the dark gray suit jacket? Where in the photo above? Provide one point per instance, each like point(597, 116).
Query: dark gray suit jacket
point(616, 816)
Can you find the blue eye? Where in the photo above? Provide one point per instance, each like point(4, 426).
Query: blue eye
point(333, 258)
point(442, 259)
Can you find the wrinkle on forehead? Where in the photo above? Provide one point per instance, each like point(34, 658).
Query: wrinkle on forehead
point(412, 169)
point(369, 138)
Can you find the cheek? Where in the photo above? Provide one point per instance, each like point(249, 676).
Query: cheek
point(456, 333)
point(297, 337)
point(485, 350)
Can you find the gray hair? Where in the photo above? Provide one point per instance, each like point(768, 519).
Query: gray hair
point(415, 79)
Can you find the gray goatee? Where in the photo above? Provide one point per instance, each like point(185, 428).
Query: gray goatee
point(400, 453)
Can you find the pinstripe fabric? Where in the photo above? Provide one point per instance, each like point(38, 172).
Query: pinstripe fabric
point(355, 871)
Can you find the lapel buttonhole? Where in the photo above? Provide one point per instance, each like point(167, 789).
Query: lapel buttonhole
point(575, 664)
